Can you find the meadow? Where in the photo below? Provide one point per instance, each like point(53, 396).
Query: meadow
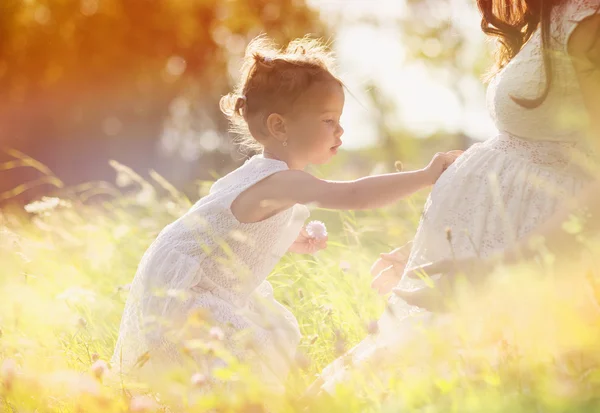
point(527, 343)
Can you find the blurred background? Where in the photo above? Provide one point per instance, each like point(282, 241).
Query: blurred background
point(83, 82)
point(110, 129)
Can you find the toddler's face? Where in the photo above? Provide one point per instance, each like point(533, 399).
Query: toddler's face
point(314, 130)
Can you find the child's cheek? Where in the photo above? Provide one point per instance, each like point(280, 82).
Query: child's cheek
point(310, 131)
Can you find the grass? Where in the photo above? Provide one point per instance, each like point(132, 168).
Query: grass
point(526, 344)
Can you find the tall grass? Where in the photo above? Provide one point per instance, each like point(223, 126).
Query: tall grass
point(528, 343)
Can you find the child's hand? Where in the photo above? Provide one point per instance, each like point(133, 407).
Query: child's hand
point(388, 269)
point(440, 162)
point(305, 244)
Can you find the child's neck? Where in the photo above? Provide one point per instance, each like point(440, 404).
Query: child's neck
point(284, 157)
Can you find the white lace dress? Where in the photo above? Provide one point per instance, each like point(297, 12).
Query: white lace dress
point(208, 260)
point(501, 189)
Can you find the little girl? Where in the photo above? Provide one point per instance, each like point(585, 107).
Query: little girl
point(216, 257)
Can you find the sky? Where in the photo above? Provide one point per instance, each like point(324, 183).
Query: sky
point(376, 52)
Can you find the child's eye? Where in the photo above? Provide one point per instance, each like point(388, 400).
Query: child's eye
point(329, 121)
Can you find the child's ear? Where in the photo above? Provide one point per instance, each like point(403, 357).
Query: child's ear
point(276, 127)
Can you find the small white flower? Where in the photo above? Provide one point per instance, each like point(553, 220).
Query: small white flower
point(216, 334)
point(143, 404)
point(198, 380)
point(99, 368)
point(316, 229)
point(74, 383)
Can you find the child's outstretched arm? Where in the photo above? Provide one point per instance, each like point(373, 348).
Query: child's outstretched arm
point(284, 189)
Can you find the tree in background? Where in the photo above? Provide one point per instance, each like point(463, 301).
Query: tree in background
point(434, 36)
point(443, 39)
point(83, 81)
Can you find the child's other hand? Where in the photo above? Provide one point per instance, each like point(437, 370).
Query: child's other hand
point(440, 162)
point(305, 244)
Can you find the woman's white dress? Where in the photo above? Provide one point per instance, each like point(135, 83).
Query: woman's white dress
point(208, 260)
point(501, 189)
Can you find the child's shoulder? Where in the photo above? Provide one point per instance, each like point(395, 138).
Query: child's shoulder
point(253, 170)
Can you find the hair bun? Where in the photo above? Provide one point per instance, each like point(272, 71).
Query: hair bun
point(231, 105)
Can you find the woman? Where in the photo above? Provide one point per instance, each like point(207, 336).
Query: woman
point(544, 98)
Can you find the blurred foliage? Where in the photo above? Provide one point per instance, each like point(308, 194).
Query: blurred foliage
point(85, 46)
point(438, 38)
point(83, 81)
point(520, 346)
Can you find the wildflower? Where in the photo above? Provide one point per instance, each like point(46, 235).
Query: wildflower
point(340, 346)
point(8, 372)
point(316, 229)
point(143, 404)
point(327, 308)
point(373, 327)
point(74, 383)
point(99, 368)
point(216, 334)
point(198, 380)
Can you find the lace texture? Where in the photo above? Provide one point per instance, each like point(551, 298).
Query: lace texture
point(208, 260)
point(499, 190)
point(563, 114)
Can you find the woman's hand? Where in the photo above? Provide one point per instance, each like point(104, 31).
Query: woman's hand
point(438, 297)
point(305, 244)
point(388, 269)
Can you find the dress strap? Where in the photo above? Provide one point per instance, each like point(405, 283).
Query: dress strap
point(252, 171)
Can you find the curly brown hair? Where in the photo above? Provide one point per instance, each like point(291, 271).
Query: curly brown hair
point(271, 80)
